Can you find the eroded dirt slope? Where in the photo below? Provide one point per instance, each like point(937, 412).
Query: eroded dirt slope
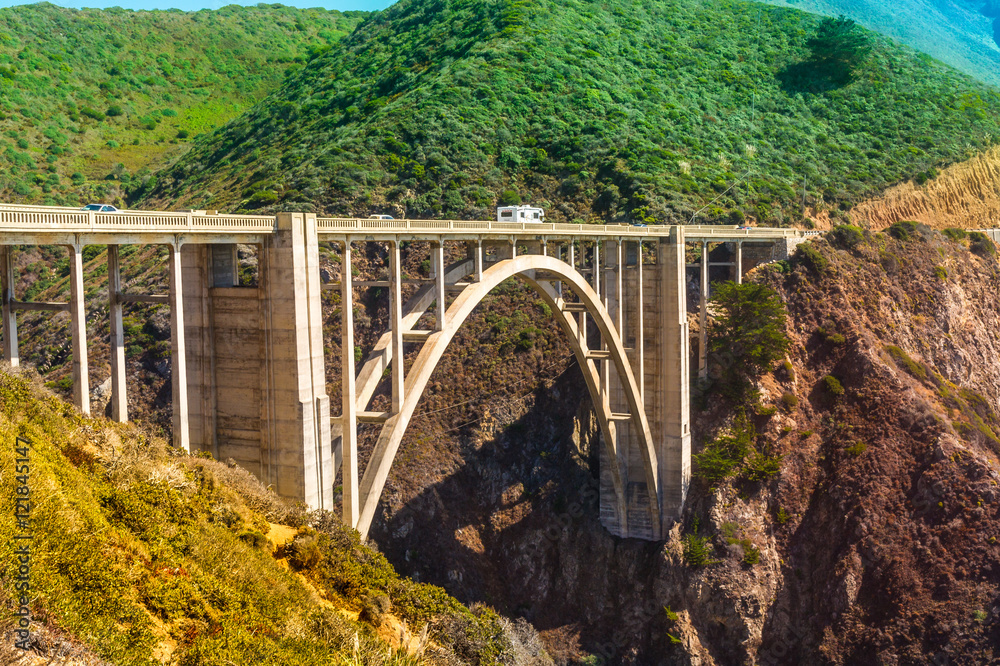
point(964, 195)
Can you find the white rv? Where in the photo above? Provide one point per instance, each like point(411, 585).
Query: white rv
point(520, 214)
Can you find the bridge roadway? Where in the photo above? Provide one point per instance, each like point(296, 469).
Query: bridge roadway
point(248, 364)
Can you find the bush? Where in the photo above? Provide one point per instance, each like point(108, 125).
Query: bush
point(940, 272)
point(904, 230)
point(183, 134)
point(509, 198)
point(114, 110)
point(903, 359)
point(833, 385)
point(955, 234)
point(263, 198)
point(809, 256)
point(846, 236)
point(857, 448)
point(747, 336)
point(723, 456)
point(697, 551)
point(835, 339)
point(789, 400)
point(254, 539)
point(374, 608)
point(304, 552)
point(761, 467)
point(981, 244)
point(91, 112)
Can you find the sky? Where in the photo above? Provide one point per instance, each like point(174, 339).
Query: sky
point(195, 5)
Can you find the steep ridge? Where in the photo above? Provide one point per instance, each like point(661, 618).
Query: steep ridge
point(607, 110)
point(92, 100)
point(964, 195)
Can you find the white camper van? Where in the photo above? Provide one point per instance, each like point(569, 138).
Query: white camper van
point(520, 214)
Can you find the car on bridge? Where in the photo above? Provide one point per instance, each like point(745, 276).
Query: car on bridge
point(381, 217)
point(100, 208)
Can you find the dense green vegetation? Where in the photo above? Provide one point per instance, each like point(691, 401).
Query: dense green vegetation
point(614, 110)
point(958, 32)
point(150, 556)
point(90, 100)
point(746, 337)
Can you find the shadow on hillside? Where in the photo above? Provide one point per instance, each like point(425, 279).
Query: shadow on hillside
point(812, 77)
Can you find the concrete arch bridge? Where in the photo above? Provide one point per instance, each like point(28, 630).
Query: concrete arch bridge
point(248, 365)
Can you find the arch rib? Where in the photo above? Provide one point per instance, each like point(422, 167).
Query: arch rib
point(523, 267)
point(381, 355)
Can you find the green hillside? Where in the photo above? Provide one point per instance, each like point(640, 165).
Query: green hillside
point(144, 556)
point(91, 98)
point(601, 110)
point(963, 33)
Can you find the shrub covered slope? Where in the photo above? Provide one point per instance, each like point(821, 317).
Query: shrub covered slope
point(89, 94)
point(140, 555)
point(606, 110)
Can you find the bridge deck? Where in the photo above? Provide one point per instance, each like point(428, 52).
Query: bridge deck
point(20, 225)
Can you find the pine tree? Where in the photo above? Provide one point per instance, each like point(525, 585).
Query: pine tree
point(839, 47)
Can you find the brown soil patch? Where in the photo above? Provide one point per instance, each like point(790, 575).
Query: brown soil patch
point(965, 195)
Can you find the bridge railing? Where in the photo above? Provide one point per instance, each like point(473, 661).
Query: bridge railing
point(333, 225)
point(72, 220)
point(48, 218)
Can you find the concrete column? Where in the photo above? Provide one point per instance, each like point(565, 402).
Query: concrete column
point(178, 353)
point(437, 264)
point(78, 330)
point(674, 458)
point(613, 307)
point(640, 336)
point(595, 282)
point(349, 407)
point(10, 351)
point(477, 260)
point(619, 275)
point(703, 314)
point(396, 326)
point(119, 393)
point(739, 262)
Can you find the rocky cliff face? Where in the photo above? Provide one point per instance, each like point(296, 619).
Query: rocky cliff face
point(876, 541)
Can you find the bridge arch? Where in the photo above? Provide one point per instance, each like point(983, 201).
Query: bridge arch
point(525, 268)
